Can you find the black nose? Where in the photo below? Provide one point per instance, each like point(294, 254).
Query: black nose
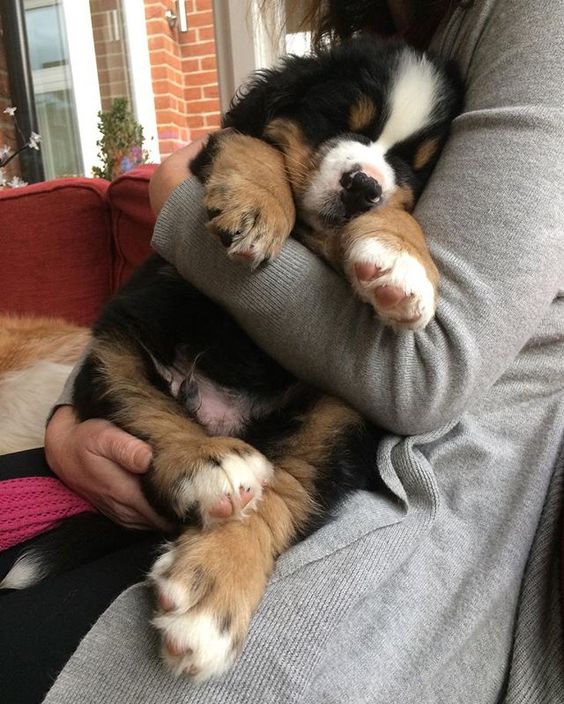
point(360, 192)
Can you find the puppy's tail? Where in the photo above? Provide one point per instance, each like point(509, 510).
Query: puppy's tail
point(71, 543)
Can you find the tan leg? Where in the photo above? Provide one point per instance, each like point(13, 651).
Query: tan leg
point(248, 197)
point(210, 582)
point(192, 472)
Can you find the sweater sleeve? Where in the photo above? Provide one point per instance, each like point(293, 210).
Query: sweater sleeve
point(65, 397)
point(494, 225)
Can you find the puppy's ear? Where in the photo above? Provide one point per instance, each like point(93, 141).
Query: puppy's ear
point(268, 94)
point(287, 136)
point(201, 165)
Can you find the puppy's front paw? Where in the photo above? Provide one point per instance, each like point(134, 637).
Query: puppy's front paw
point(249, 220)
point(218, 479)
point(393, 281)
point(208, 585)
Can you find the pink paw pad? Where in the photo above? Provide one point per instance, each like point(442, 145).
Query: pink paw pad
point(389, 296)
point(366, 271)
point(165, 602)
point(245, 256)
point(174, 648)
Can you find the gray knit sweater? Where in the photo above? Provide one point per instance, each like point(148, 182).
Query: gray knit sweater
point(450, 593)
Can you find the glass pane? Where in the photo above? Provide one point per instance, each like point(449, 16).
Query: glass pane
point(52, 86)
point(45, 36)
point(60, 155)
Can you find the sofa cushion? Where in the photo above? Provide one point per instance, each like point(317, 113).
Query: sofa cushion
point(56, 249)
point(132, 220)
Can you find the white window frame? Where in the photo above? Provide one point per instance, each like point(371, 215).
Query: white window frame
point(245, 41)
point(140, 72)
point(84, 73)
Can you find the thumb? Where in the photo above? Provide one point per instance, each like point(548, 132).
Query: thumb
point(125, 449)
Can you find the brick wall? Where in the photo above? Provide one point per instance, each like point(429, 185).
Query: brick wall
point(184, 73)
point(111, 51)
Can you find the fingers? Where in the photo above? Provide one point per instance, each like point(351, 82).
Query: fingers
point(127, 452)
point(153, 521)
point(99, 461)
point(124, 449)
point(171, 172)
point(124, 502)
point(149, 517)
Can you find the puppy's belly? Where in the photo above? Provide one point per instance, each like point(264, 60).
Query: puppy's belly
point(220, 410)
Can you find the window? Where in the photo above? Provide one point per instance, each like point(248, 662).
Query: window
point(52, 86)
point(80, 60)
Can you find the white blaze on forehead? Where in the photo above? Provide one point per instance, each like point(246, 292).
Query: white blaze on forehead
point(412, 98)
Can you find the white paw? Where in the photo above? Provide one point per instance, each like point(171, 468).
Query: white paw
point(372, 264)
point(238, 479)
point(194, 645)
point(195, 641)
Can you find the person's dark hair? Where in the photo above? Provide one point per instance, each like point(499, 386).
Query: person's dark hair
point(335, 20)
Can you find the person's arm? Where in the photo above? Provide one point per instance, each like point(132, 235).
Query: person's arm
point(494, 225)
point(100, 462)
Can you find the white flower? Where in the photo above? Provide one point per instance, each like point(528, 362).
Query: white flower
point(34, 140)
point(5, 152)
point(17, 182)
point(11, 111)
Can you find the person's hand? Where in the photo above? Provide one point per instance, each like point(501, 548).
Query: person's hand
point(171, 172)
point(102, 463)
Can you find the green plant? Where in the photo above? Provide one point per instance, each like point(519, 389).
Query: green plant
point(121, 144)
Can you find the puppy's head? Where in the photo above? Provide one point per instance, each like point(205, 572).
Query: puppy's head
point(366, 131)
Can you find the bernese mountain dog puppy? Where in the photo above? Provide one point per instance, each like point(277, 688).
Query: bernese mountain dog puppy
point(332, 149)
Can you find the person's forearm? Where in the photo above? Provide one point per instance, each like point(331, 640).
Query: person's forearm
point(307, 317)
point(173, 170)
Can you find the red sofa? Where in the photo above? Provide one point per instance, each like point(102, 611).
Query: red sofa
point(67, 244)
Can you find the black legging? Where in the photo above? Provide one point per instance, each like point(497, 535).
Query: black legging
point(40, 627)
